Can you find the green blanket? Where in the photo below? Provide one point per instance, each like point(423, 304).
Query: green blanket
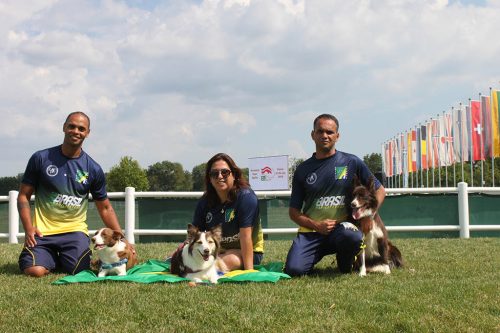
point(159, 271)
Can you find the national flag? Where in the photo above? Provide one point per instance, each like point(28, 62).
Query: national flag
point(389, 151)
point(486, 118)
point(418, 152)
point(423, 146)
point(495, 108)
point(430, 158)
point(477, 131)
point(414, 150)
point(466, 129)
point(435, 143)
point(409, 151)
point(404, 153)
point(457, 136)
point(448, 139)
point(398, 154)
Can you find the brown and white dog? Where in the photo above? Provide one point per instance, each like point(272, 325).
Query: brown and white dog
point(114, 252)
point(198, 257)
point(379, 255)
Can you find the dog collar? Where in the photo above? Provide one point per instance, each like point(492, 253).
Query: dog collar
point(115, 264)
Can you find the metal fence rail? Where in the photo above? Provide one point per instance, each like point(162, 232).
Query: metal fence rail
point(130, 195)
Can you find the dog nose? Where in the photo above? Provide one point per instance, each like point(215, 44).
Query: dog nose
point(206, 251)
point(353, 205)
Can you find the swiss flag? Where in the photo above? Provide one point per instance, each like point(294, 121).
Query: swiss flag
point(477, 130)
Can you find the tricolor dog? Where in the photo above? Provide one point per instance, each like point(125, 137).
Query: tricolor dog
point(379, 255)
point(115, 254)
point(197, 258)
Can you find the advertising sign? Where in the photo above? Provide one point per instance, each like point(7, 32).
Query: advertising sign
point(268, 173)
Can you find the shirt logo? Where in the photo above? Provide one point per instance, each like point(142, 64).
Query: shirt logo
point(82, 177)
point(69, 201)
point(341, 172)
point(209, 217)
point(311, 179)
point(229, 215)
point(52, 170)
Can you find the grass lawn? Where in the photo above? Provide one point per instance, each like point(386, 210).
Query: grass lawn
point(448, 285)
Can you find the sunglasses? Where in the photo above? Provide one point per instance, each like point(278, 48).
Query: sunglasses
point(215, 173)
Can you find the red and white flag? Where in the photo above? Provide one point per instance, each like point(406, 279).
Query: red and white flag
point(477, 131)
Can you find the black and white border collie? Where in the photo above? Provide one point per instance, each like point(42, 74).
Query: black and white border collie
point(198, 257)
point(114, 254)
point(379, 255)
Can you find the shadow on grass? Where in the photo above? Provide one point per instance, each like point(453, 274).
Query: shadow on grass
point(11, 268)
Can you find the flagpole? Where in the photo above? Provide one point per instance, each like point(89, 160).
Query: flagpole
point(453, 144)
point(471, 145)
point(445, 149)
point(432, 151)
point(462, 159)
point(481, 144)
point(439, 153)
point(427, 152)
point(492, 142)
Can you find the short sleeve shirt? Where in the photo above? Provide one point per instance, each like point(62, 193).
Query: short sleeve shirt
point(321, 188)
point(242, 213)
point(62, 186)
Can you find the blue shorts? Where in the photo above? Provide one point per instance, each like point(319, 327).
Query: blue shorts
point(257, 258)
point(69, 252)
point(308, 248)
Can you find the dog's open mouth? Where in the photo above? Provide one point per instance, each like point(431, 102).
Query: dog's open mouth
point(99, 246)
point(356, 213)
point(205, 256)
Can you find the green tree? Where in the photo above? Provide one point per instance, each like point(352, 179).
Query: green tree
point(127, 173)
point(374, 162)
point(198, 177)
point(168, 176)
point(293, 163)
point(8, 184)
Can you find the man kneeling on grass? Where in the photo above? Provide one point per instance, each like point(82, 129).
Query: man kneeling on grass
point(62, 178)
point(321, 189)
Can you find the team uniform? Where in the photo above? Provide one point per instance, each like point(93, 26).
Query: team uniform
point(321, 189)
point(242, 213)
point(62, 186)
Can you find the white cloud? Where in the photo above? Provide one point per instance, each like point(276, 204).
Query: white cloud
point(183, 80)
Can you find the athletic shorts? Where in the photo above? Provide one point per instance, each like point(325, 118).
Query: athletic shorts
point(257, 258)
point(69, 252)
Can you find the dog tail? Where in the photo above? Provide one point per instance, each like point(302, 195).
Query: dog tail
point(396, 259)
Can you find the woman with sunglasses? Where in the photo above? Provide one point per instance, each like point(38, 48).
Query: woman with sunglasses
point(229, 200)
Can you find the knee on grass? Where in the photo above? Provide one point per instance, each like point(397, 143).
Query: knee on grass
point(36, 271)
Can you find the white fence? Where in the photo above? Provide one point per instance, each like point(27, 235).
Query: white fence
point(130, 195)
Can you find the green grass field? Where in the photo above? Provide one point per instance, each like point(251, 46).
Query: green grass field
point(448, 285)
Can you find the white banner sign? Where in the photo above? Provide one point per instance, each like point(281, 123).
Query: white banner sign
point(268, 173)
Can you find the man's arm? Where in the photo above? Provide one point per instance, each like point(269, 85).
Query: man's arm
point(23, 207)
point(380, 194)
point(108, 214)
point(323, 227)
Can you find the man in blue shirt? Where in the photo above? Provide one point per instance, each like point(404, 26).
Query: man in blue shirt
point(320, 201)
point(62, 177)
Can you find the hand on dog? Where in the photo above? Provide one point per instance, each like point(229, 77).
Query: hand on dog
point(326, 226)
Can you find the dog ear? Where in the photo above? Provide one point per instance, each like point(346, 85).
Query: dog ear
point(192, 230)
point(117, 235)
point(371, 184)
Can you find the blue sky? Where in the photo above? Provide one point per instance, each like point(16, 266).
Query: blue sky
point(183, 80)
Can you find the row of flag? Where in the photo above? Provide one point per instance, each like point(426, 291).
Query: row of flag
point(468, 133)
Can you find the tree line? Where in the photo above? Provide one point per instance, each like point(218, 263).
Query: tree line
point(165, 176)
